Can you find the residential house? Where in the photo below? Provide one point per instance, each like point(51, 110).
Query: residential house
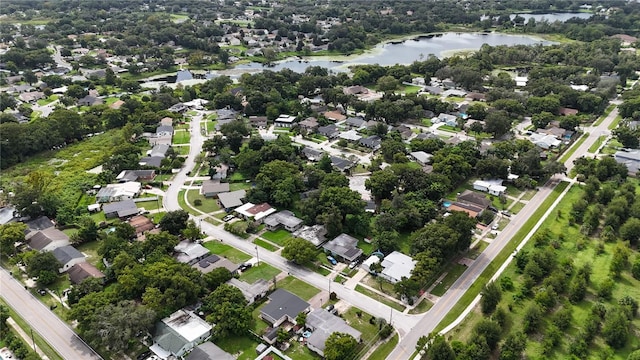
point(141, 224)
point(208, 351)
point(322, 324)
point(629, 158)
point(421, 157)
point(231, 200)
point(553, 131)
point(544, 141)
point(120, 209)
point(212, 262)
point(341, 164)
point(312, 154)
point(179, 333)
point(39, 223)
point(475, 96)
point(283, 306)
point(564, 111)
point(626, 40)
point(372, 142)
point(493, 187)
point(188, 252)
point(471, 209)
point(90, 100)
point(159, 150)
point(475, 198)
point(419, 81)
point(164, 130)
point(286, 121)
point(446, 118)
point(7, 214)
point(373, 259)
point(136, 175)
point(310, 124)
point(211, 188)
point(255, 212)
point(67, 256)
point(116, 105)
point(343, 247)
point(151, 161)
point(226, 114)
point(405, 131)
point(426, 136)
point(47, 239)
point(396, 266)
point(119, 192)
point(350, 135)
point(258, 122)
point(83, 270)
point(178, 108)
point(314, 234)
point(454, 92)
point(284, 218)
point(166, 121)
point(330, 131)
point(434, 90)
point(334, 115)
point(355, 122)
point(31, 97)
point(251, 292)
point(355, 90)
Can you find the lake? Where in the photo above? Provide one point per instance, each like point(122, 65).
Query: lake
point(398, 52)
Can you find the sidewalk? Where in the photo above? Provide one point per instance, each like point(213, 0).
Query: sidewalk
point(27, 339)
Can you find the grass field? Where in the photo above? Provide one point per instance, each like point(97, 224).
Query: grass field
point(181, 137)
point(90, 250)
point(265, 245)
point(385, 349)
point(363, 290)
point(278, 237)
point(298, 287)
point(208, 205)
point(615, 122)
point(486, 275)
point(453, 274)
point(573, 148)
point(263, 271)
point(242, 347)
point(597, 144)
point(234, 255)
point(423, 306)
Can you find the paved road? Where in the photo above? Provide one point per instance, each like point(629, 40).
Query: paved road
point(57, 57)
point(402, 321)
point(441, 308)
point(53, 330)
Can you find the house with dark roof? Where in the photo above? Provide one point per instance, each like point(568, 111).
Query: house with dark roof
point(343, 247)
point(341, 164)
point(47, 239)
point(312, 154)
point(330, 131)
point(564, 111)
point(258, 122)
point(67, 256)
point(283, 306)
point(251, 292)
point(39, 223)
point(231, 200)
point(371, 142)
point(310, 124)
point(136, 175)
point(188, 252)
point(151, 161)
point(322, 324)
point(83, 270)
point(211, 188)
point(141, 224)
point(177, 334)
point(120, 209)
point(90, 101)
point(284, 218)
point(474, 198)
point(355, 122)
point(226, 114)
point(208, 351)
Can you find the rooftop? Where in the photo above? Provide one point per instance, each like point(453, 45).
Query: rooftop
point(324, 324)
point(398, 265)
point(66, 253)
point(345, 246)
point(283, 303)
point(187, 324)
point(232, 199)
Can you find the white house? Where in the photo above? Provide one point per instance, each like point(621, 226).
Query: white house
point(179, 333)
point(396, 266)
point(285, 121)
point(493, 187)
point(258, 212)
point(373, 259)
point(119, 192)
point(544, 141)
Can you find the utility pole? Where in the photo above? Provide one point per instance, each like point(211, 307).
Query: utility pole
point(257, 256)
point(391, 316)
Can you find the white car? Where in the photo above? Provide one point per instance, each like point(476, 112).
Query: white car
point(495, 226)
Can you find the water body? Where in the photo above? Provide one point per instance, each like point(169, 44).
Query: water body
point(402, 52)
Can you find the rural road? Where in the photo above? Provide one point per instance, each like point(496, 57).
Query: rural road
point(53, 330)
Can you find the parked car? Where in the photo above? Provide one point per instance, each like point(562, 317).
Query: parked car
point(331, 308)
point(353, 264)
point(245, 266)
point(228, 218)
point(332, 260)
point(42, 292)
point(506, 213)
point(495, 226)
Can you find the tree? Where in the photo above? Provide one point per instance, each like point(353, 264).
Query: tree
point(114, 325)
point(513, 346)
point(491, 295)
point(217, 277)
point(382, 183)
point(44, 266)
point(387, 83)
point(630, 230)
point(497, 123)
point(299, 251)
point(407, 287)
point(10, 234)
point(615, 329)
point(490, 330)
point(339, 346)
point(88, 230)
point(439, 349)
point(174, 222)
point(532, 318)
point(228, 309)
point(192, 231)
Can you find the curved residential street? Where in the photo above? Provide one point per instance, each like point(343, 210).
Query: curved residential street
point(42, 320)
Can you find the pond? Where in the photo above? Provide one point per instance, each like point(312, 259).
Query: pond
point(402, 52)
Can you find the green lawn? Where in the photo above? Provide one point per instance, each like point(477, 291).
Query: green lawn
point(234, 255)
point(181, 137)
point(385, 349)
point(239, 186)
point(150, 205)
point(298, 287)
point(448, 128)
point(423, 306)
point(182, 150)
point(208, 205)
point(607, 111)
point(90, 250)
point(48, 100)
point(474, 290)
point(361, 323)
point(573, 148)
point(517, 207)
point(453, 274)
point(426, 122)
point(475, 251)
point(265, 245)
point(183, 204)
point(380, 298)
point(241, 347)
point(597, 144)
point(278, 237)
point(615, 122)
point(237, 176)
point(263, 271)
point(411, 89)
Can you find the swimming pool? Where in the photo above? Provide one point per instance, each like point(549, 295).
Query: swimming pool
point(446, 204)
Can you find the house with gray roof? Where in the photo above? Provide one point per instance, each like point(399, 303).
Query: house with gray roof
point(90, 101)
point(39, 223)
point(355, 122)
point(372, 142)
point(350, 135)
point(251, 292)
point(397, 265)
point(421, 157)
point(283, 306)
point(177, 334)
point(231, 200)
point(159, 150)
point(212, 262)
point(188, 252)
point(136, 175)
point(151, 161)
point(330, 131)
point(322, 324)
point(120, 209)
point(208, 351)
point(629, 158)
point(284, 218)
point(312, 154)
point(226, 114)
point(341, 164)
point(47, 239)
point(343, 247)
point(67, 256)
point(211, 188)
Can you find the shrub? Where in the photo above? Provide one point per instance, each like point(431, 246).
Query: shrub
point(197, 202)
